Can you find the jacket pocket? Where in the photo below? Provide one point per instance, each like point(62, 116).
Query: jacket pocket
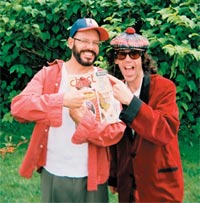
point(169, 176)
point(166, 170)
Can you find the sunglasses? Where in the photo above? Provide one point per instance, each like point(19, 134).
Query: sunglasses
point(132, 54)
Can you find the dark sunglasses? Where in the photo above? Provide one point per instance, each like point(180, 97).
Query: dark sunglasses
point(121, 55)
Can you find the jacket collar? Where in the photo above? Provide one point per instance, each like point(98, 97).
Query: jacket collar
point(144, 94)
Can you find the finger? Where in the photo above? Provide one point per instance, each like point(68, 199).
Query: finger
point(89, 94)
point(85, 91)
point(114, 79)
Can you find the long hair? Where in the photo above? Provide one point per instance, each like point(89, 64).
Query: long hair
point(148, 64)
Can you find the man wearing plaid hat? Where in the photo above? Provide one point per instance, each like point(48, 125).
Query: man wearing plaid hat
point(68, 146)
point(145, 164)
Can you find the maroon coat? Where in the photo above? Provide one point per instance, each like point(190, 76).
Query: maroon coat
point(146, 166)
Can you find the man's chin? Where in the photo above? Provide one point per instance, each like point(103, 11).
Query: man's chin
point(86, 63)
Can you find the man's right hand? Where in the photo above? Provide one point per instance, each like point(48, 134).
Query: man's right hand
point(75, 99)
point(120, 91)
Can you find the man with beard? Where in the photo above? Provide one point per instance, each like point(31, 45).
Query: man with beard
point(68, 146)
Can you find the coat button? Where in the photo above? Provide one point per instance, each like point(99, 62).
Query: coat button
point(133, 154)
point(41, 146)
point(131, 175)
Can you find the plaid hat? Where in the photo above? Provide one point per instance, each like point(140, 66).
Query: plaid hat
point(130, 40)
point(88, 24)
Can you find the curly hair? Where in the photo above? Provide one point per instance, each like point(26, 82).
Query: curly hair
point(148, 64)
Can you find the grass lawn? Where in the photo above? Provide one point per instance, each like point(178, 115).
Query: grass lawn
point(15, 189)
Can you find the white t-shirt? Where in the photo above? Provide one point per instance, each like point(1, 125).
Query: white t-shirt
point(63, 157)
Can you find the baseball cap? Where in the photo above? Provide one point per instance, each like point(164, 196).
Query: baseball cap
point(130, 40)
point(83, 24)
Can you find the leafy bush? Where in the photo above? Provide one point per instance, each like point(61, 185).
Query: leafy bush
point(34, 32)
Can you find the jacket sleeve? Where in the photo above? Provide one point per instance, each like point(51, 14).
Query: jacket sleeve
point(158, 120)
point(101, 134)
point(32, 105)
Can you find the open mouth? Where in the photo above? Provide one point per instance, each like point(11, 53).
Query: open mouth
point(129, 71)
point(129, 67)
point(88, 54)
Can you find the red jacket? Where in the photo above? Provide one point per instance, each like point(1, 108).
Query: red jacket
point(41, 103)
point(147, 167)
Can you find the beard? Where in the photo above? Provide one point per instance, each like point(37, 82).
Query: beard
point(77, 56)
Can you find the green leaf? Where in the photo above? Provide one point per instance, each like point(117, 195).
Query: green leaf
point(181, 78)
point(29, 44)
point(195, 54)
point(19, 68)
point(173, 67)
point(192, 86)
point(45, 36)
point(169, 49)
point(3, 84)
point(48, 55)
point(190, 116)
point(6, 48)
point(5, 19)
point(181, 63)
point(179, 89)
point(193, 35)
point(55, 28)
point(7, 118)
point(28, 9)
point(195, 70)
point(49, 16)
point(184, 105)
point(12, 23)
point(29, 71)
point(188, 96)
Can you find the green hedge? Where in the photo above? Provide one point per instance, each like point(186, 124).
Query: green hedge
point(35, 31)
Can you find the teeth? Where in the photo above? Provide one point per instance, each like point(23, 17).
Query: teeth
point(88, 53)
point(129, 67)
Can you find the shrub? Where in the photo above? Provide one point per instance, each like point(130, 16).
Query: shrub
point(34, 32)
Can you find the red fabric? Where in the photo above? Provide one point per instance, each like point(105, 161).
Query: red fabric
point(41, 103)
point(153, 158)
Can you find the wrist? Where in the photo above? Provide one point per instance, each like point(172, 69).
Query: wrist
point(129, 99)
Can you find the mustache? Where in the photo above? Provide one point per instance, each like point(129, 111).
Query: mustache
point(87, 50)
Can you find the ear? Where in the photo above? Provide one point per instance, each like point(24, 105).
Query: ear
point(70, 42)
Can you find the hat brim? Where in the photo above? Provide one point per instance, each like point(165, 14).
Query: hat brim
point(103, 34)
point(130, 48)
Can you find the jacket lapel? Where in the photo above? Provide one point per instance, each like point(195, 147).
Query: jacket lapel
point(144, 94)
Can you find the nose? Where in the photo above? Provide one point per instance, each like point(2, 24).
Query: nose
point(92, 45)
point(127, 57)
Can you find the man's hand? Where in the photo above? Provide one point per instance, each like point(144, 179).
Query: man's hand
point(120, 91)
point(76, 98)
point(77, 113)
